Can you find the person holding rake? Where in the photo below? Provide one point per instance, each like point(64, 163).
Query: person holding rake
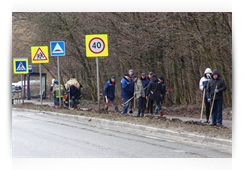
point(202, 86)
point(214, 90)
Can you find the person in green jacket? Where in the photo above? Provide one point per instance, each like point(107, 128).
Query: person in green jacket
point(140, 95)
point(56, 93)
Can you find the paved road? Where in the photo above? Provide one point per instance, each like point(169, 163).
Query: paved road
point(48, 136)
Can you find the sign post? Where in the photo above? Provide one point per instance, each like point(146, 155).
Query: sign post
point(97, 46)
point(57, 48)
point(39, 54)
point(20, 66)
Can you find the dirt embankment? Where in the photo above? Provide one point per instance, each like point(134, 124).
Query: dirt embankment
point(150, 120)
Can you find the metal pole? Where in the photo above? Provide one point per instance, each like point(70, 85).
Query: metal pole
point(28, 87)
point(22, 89)
point(98, 93)
point(40, 69)
point(59, 83)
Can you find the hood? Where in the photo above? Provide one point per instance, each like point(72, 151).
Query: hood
point(154, 78)
point(215, 72)
point(207, 70)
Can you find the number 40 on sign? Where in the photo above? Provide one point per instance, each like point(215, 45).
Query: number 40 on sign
point(97, 45)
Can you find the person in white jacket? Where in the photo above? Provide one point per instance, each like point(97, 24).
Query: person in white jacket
point(202, 85)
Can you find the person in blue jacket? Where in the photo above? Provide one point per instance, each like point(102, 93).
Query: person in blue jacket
point(108, 91)
point(51, 89)
point(126, 91)
point(145, 82)
point(131, 73)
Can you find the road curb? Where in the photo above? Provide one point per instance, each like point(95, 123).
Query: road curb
point(134, 126)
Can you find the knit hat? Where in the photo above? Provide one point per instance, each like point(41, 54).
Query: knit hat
point(150, 73)
point(127, 75)
point(113, 77)
point(133, 77)
point(161, 78)
point(143, 74)
point(131, 70)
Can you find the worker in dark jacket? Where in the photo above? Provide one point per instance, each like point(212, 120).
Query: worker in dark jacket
point(155, 92)
point(161, 80)
point(218, 82)
point(74, 93)
point(149, 78)
point(131, 73)
point(108, 91)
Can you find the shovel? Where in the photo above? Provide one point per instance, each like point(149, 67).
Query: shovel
point(107, 103)
point(131, 98)
point(202, 105)
point(212, 106)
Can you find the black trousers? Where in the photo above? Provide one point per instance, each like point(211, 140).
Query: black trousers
point(141, 105)
point(151, 105)
point(207, 106)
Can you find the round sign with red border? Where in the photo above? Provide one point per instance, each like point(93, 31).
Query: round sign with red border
point(96, 45)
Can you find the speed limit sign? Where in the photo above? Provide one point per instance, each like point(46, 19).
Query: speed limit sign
point(97, 45)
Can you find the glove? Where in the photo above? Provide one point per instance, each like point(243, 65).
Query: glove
point(209, 100)
point(216, 91)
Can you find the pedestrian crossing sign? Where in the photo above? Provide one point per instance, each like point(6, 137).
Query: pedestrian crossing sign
point(20, 66)
point(39, 54)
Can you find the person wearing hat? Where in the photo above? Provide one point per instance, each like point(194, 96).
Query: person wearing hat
point(218, 82)
point(126, 91)
point(144, 81)
point(56, 93)
point(159, 107)
point(154, 92)
point(131, 73)
point(54, 81)
point(108, 91)
point(149, 78)
point(140, 95)
point(74, 94)
point(203, 85)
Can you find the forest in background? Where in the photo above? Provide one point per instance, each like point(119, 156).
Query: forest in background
point(177, 46)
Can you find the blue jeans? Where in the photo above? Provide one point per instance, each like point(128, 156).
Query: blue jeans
point(158, 107)
point(125, 108)
point(217, 112)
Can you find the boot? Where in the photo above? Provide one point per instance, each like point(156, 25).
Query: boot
point(138, 115)
point(142, 114)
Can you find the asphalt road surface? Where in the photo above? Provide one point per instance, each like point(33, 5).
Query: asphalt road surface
point(36, 136)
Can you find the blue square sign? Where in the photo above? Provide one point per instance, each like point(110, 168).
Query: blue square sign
point(30, 68)
point(57, 48)
point(20, 66)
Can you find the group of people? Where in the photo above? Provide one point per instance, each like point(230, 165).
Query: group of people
point(213, 86)
point(147, 89)
point(71, 92)
point(151, 88)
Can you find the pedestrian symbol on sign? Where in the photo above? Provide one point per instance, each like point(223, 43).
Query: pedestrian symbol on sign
point(21, 66)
